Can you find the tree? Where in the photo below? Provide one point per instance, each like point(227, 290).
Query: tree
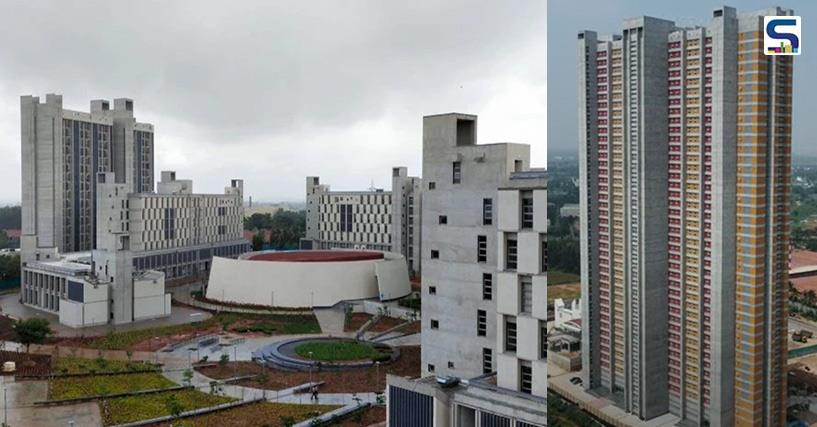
point(257, 241)
point(32, 331)
point(173, 406)
point(9, 266)
point(188, 376)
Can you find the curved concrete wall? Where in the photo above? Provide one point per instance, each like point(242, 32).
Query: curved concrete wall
point(307, 284)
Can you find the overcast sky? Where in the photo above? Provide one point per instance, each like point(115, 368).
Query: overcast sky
point(273, 91)
point(567, 17)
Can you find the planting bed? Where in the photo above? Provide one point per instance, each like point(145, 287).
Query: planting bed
point(255, 415)
point(358, 380)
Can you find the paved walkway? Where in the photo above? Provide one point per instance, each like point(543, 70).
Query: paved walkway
point(21, 411)
point(332, 320)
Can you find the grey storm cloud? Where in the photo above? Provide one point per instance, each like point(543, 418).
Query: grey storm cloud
point(272, 91)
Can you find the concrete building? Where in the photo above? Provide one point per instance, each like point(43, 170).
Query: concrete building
point(443, 402)
point(484, 264)
point(373, 219)
point(563, 313)
point(62, 151)
point(459, 241)
point(90, 215)
point(101, 286)
point(178, 232)
point(521, 284)
point(685, 145)
point(313, 278)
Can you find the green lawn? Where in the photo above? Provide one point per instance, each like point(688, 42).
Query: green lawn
point(78, 365)
point(74, 387)
point(337, 350)
point(556, 277)
point(134, 408)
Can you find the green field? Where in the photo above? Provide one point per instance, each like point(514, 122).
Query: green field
point(337, 350)
point(77, 365)
point(134, 408)
point(75, 387)
point(556, 277)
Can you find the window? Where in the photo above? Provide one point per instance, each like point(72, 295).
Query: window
point(544, 260)
point(525, 377)
point(443, 219)
point(435, 254)
point(456, 169)
point(482, 323)
point(432, 185)
point(346, 219)
point(487, 286)
point(510, 252)
point(482, 248)
point(510, 334)
point(525, 294)
point(527, 209)
point(430, 367)
point(487, 361)
point(543, 340)
point(450, 365)
point(487, 211)
point(435, 324)
point(432, 290)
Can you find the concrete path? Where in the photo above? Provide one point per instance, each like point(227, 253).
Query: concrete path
point(332, 320)
point(21, 396)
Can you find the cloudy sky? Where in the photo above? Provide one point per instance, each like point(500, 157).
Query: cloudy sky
point(274, 91)
point(567, 17)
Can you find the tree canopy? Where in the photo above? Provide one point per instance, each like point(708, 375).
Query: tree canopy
point(32, 331)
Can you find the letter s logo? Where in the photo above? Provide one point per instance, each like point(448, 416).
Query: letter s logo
point(785, 41)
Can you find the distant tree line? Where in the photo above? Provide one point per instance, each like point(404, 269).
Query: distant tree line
point(280, 231)
point(9, 267)
point(10, 217)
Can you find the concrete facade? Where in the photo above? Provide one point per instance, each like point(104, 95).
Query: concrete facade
point(521, 291)
point(298, 284)
point(459, 243)
point(62, 151)
point(373, 219)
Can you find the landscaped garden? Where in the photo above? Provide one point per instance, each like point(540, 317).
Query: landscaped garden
point(78, 365)
point(143, 339)
point(75, 387)
point(256, 415)
point(339, 350)
point(122, 410)
point(355, 380)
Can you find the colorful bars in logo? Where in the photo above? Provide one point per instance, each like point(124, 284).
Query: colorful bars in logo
point(782, 49)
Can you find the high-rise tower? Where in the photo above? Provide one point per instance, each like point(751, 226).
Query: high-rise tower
point(685, 140)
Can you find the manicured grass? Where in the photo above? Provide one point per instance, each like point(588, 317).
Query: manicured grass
point(337, 350)
point(257, 414)
point(134, 408)
point(74, 387)
point(565, 292)
point(556, 277)
point(280, 324)
point(78, 365)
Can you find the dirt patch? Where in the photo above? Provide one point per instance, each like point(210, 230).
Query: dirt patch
point(357, 321)
point(382, 325)
point(26, 363)
point(357, 380)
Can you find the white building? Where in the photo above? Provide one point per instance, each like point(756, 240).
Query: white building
point(373, 219)
point(570, 210)
point(563, 313)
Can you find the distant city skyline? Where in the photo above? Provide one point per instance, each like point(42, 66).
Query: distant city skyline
point(565, 20)
point(274, 92)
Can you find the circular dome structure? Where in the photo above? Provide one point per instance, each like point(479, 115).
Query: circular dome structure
point(307, 278)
